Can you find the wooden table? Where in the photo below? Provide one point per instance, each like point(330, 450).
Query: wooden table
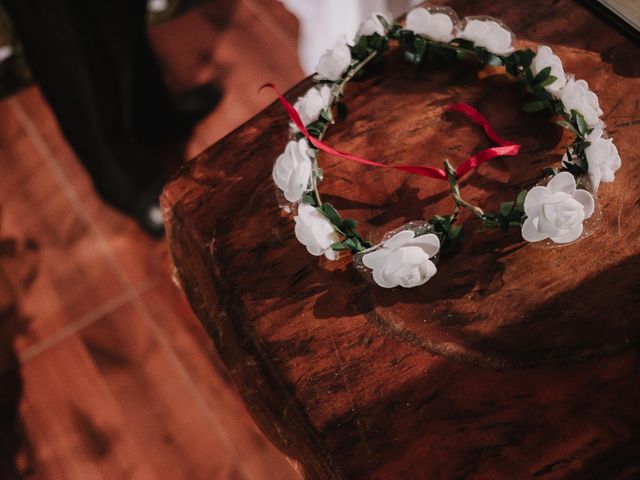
point(515, 361)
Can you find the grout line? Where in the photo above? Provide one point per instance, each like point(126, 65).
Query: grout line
point(73, 197)
point(267, 19)
point(84, 321)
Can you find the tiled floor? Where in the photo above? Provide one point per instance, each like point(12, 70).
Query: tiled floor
point(119, 379)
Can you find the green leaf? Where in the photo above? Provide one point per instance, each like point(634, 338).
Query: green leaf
point(463, 43)
point(550, 171)
point(460, 54)
point(362, 41)
point(556, 107)
point(360, 49)
point(524, 57)
point(569, 153)
point(351, 243)
point(432, 53)
point(349, 224)
point(483, 55)
point(332, 214)
point(310, 199)
point(580, 122)
point(384, 22)
point(420, 45)
point(454, 232)
point(580, 147)
point(494, 60)
point(376, 42)
point(506, 208)
point(568, 126)
point(533, 107)
point(355, 241)
point(529, 78)
point(439, 220)
point(548, 81)
point(339, 246)
point(512, 69)
point(326, 115)
point(542, 75)
point(342, 111)
point(316, 128)
point(520, 200)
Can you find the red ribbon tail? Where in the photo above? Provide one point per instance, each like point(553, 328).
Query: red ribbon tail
point(476, 117)
point(505, 148)
point(430, 172)
point(485, 155)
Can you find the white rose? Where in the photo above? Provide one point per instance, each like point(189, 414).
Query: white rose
point(602, 157)
point(292, 171)
point(575, 95)
point(556, 211)
point(315, 232)
point(546, 58)
point(403, 260)
point(436, 26)
point(334, 63)
point(373, 25)
point(312, 104)
point(488, 34)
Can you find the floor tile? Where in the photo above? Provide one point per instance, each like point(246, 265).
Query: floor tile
point(73, 276)
point(122, 411)
point(259, 457)
point(120, 379)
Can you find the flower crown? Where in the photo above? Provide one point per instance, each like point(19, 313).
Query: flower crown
point(405, 257)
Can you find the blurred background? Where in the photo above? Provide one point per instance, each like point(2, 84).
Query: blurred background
point(104, 371)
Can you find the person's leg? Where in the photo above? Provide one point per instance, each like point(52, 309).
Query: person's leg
point(125, 80)
point(96, 68)
point(56, 55)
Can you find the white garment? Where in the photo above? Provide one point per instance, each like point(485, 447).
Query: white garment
point(324, 22)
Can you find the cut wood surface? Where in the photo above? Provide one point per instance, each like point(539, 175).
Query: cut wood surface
point(514, 361)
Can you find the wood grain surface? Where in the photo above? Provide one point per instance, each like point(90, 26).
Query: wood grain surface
point(515, 361)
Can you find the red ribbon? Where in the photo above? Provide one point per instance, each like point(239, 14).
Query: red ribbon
point(505, 148)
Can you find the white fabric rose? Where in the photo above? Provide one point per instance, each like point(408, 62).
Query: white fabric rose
point(602, 157)
point(403, 260)
point(546, 58)
point(292, 171)
point(436, 26)
point(556, 211)
point(312, 104)
point(315, 232)
point(373, 25)
point(488, 34)
point(334, 62)
point(575, 95)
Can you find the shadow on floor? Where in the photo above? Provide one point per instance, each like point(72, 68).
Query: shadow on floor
point(18, 270)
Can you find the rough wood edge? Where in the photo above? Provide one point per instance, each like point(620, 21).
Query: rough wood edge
point(222, 319)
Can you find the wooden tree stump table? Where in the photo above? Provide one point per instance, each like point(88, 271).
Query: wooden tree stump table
point(514, 361)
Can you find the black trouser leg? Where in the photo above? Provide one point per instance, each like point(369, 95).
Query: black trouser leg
point(95, 67)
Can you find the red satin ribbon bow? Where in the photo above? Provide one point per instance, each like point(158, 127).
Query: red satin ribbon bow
point(505, 148)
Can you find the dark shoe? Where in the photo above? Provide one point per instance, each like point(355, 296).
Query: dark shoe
point(195, 104)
